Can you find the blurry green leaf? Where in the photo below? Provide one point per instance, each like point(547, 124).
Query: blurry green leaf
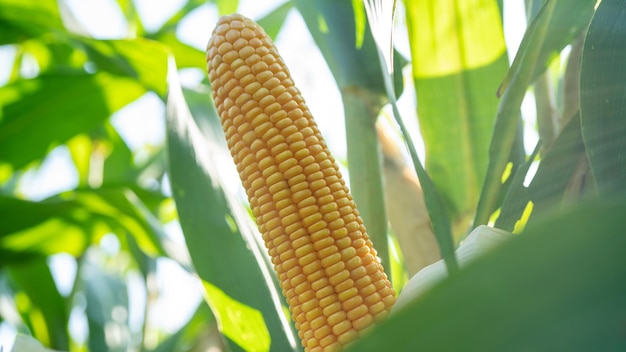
point(603, 97)
point(459, 58)
point(274, 21)
point(186, 56)
point(68, 223)
point(22, 19)
point(25, 343)
point(117, 164)
point(142, 59)
point(55, 54)
point(132, 17)
point(40, 228)
point(80, 150)
point(121, 207)
point(195, 332)
point(35, 280)
point(107, 309)
point(215, 246)
point(38, 114)
point(557, 286)
point(227, 7)
point(172, 23)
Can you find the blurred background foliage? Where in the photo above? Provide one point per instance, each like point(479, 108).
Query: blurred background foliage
point(117, 217)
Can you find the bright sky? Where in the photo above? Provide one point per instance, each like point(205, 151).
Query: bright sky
point(180, 292)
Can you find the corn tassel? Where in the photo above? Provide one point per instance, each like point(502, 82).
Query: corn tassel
point(327, 267)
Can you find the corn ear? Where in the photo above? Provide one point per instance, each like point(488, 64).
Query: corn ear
point(326, 264)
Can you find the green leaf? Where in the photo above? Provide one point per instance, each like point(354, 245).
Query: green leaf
point(332, 26)
point(21, 19)
point(186, 56)
point(603, 97)
point(142, 59)
point(55, 54)
point(80, 148)
point(68, 223)
point(121, 206)
point(38, 114)
point(107, 309)
point(118, 166)
point(459, 58)
point(556, 25)
point(245, 325)
point(34, 279)
point(29, 344)
point(273, 21)
point(197, 329)
point(40, 228)
point(557, 286)
point(226, 7)
point(172, 23)
point(216, 243)
point(550, 183)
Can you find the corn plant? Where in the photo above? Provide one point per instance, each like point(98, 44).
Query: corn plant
point(523, 146)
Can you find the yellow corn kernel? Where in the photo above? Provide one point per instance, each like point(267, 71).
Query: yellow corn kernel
point(328, 269)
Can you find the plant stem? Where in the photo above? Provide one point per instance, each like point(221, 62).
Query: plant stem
point(364, 163)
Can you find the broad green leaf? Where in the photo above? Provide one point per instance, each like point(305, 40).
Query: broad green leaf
point(21, 19)
point(107, 309)
point(558, 286)
point(55, 55)
point(459, 58)
point(42, 300)
point(245, 325)
point(603, 97)
point(40, 228)
point(217, 244)
point(273, 21)
point(203, 110)
point(38, 114)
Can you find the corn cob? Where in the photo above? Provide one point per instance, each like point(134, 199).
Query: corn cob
point(327, 267)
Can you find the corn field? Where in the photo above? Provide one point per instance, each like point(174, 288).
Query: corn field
point(312, 175)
